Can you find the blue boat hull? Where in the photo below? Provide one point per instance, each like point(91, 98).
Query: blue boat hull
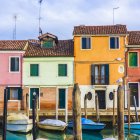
point(133, 125)
point(95, 127)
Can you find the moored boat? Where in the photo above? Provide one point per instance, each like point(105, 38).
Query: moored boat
point(19, 123)
point(51, 124)
point(88, 124)
point(133, 125)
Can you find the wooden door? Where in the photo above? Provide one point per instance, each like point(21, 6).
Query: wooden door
point(101, 98)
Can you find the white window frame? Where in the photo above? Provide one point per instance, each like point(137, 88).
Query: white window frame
point(120, 67)
point(109, 43)
point(10, 64)
point(137, 59)
point(90, 42)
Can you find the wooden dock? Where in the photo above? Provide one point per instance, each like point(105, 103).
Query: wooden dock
point(105, 114)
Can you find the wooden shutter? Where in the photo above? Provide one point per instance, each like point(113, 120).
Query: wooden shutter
point(62, 70)
point(19, 93)
point(92, 74)
point(133, 60)
point(107, 74)
point(8, 93)
point(34, 70)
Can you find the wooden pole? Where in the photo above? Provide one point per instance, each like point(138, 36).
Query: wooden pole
point(27, 104)
point(5, 114)
point(76, 98)
point(34, 116)
point(128, 107)
point(37, 106)
point(97, 107)
point(120, 111)
point(137, 119)
point(114, 108)
point(85, 105)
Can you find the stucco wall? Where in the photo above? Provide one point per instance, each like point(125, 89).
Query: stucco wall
point(48, 71)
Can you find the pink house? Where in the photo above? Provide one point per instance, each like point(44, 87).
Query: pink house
point(11, 53)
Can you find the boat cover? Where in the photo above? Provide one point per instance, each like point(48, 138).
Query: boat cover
point(53, 122)
point(86, 121)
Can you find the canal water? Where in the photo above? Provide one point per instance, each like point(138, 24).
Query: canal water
point(87, 135)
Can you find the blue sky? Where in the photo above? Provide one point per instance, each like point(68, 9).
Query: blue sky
point(60, 16)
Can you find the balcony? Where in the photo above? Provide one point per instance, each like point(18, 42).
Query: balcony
point(99, 80)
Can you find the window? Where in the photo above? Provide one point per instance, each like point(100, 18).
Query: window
point(61, 99)
point(121, 69)
point(14, 64)
point(114, 42)
point(100, 74)
point(62, 70)
point(34, 70)
point(86, 43)
point(48, 44)
point(14, 93)
point(133, 59)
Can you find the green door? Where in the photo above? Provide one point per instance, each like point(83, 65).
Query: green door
point(61, 99)
point(32, 90)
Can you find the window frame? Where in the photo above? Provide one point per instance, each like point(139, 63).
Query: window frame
point(10, 64)
point(90, 42)
point(137, 59)
point(110, 41)
point(58, 70)
point(38, 69)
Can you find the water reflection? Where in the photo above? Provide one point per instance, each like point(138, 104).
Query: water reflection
point(68, 135)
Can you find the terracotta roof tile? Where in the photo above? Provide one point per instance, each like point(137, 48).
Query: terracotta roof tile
point(134, 38)
point(64, 48)
point(12, 44)
point(100, 30)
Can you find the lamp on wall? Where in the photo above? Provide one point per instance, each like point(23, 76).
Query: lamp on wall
point(118, 59)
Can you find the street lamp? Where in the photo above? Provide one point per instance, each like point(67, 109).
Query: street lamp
point(115, 8)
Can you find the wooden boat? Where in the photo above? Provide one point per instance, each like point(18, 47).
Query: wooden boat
point(51, 124)
point(19, 123)
point(133, 125)
point(89, 125)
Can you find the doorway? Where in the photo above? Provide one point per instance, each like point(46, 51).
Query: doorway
point(32, 90)
point(101, 99)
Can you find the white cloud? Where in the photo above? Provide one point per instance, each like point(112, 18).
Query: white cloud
point(59, 17)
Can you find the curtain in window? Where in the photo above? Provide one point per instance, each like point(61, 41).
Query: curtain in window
point(96, 74)
point(102, 74)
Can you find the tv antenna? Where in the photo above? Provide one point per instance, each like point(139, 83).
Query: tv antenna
point(40, 31)
point(15, 27)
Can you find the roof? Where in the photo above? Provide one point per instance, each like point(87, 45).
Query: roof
point(100, 30)
point(47, 35)
point(134, 38)
point(12, 44)
point(64, 48)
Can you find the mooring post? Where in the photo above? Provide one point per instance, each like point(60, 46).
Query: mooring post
point(76, 98)
point(120, 111)
point(128, 107)
point(27, 104)
point(5, 114)
point(34, 116)
point(85, 105)
point(37, 107)
point(113, 107)
point(97, 107)
point(137, 119)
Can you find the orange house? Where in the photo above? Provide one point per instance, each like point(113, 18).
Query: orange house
point(99, 56)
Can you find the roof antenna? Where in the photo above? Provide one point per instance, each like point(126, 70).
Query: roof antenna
point(40, 31)
point(15, 26)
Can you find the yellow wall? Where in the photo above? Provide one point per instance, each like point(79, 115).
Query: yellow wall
point(99, 53)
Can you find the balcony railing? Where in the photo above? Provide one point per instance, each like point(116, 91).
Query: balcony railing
point(100, 80)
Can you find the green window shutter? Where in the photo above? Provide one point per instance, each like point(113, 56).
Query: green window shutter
point(34, 70)
point(8, 93)
point(92, 74)
point(62, 70)
point(48, 44)
point(19, 93)
point(133, 59)
point(107, 74)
